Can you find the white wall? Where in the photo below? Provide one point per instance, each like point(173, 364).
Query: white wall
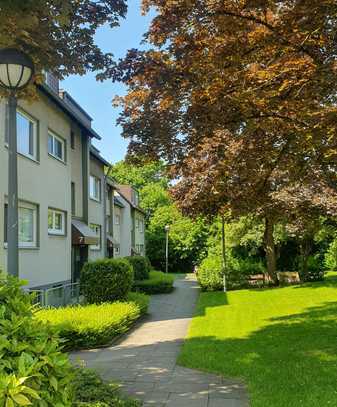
point(45, 183)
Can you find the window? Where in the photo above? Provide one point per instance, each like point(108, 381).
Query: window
point(56, 146)
point(73, 199)
point(56, 222)
point(107, 224)
point(117, 219)
point(117, 250)
point(141, 225)
point(95, 188)
point(137, 223)
point(27, 224)
point(97, 230)
point(72, 140)
point(135, 197)
point(26, 135)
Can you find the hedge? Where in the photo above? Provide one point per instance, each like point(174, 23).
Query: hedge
point(157, 283)
point(88, 326)
point(91, 391)
point(106, 280)
point(141, 267)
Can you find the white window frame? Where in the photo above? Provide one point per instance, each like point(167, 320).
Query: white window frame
point(117, 219)
point(34, 123)
point(141, 225)
point(97, 229)
point(95, 181)
point(53, 230)
point(117, 250)
point(63, 143)
point(34, 208)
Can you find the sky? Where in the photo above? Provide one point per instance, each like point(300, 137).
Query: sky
point(96, 97)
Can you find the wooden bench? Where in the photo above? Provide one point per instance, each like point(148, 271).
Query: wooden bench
point(288, 277)
point(256, 280)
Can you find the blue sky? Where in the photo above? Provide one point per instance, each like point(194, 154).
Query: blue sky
point(96, 97)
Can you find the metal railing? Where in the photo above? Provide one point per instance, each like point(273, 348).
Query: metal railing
point(60, 296)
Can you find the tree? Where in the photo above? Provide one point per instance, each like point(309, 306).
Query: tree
point(59, 34)
point(187, 239)
point(240, 99)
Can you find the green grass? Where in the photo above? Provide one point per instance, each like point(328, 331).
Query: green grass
point(157, 283)
point(86, 326)
point(282, 342)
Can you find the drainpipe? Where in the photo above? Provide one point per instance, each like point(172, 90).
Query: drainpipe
point(105, 234)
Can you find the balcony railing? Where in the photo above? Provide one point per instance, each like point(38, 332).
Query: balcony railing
point(60, 296)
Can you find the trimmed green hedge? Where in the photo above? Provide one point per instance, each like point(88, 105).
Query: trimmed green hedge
point(141, 267)
point(157, 283)
point(93, 325)
point(106, 280)
point(91, 391)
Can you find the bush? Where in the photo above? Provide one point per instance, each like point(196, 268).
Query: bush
point(157, 283)
point(33, 371)
point(315, 269)
point(238, 270)
point(210, 274)
point(91, 391)
point(93, 325)
point(330, 258)
point(106, 280)
point(141, 267)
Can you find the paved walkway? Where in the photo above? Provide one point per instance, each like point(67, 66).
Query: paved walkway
point(144, 362)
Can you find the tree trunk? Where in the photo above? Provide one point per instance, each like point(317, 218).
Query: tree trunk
point(306, 247)
point(269, 245)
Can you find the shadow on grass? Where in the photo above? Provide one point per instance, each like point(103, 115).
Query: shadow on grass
point(291, 362)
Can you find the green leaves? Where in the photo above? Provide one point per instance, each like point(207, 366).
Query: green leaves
point(33, 371)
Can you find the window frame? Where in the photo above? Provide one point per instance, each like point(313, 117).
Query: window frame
point(34, 244)
point(54, 136)
point(97, 247)
point(35, 135)
point(53, 231)
point(117, 217)
point(99, 183)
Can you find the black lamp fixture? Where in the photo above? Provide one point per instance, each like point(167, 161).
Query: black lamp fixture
point(16, 69)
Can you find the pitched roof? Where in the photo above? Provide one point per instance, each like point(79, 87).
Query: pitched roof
point(66, 108)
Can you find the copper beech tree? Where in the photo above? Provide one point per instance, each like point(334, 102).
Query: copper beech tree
point(59, 34)
point(239, 97)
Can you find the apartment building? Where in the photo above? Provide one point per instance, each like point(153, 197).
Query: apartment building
point(66, 206)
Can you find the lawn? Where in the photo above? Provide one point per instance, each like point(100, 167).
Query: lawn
point(282, 342)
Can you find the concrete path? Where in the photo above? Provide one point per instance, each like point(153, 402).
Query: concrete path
point(144, 361)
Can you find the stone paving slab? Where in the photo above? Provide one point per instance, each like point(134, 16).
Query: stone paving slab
point(144, 362)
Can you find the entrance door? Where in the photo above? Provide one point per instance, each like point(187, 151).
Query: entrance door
point(79, 256)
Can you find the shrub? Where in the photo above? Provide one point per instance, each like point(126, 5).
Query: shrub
point(33, 371)
point(315, 269)
point(330, 258)
point(96, 324)
point(157, 283)
point(141, 267)
point(106, 280)
point(91, 391)
point(210, 274)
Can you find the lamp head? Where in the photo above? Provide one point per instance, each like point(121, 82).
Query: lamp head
point(16, 69)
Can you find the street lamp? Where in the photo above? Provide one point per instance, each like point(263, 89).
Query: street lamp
point(16, 70)
point(167, 230)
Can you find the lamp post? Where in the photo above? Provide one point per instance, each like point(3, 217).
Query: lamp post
point(16, 70)
point(223, 246)
point(167, 230)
